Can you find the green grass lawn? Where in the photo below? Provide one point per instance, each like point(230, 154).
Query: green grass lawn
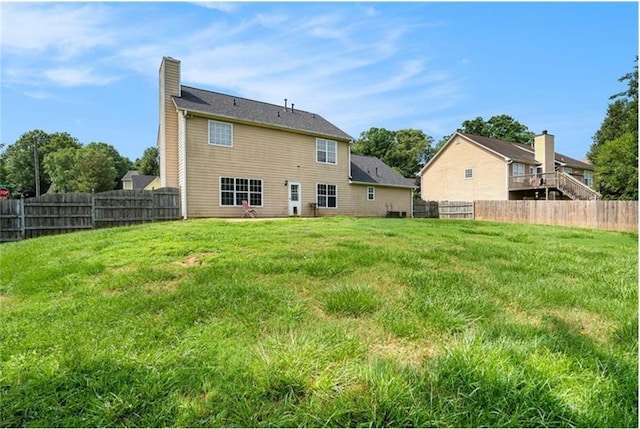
point(321, 322)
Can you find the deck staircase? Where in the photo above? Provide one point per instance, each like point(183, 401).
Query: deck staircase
point(568, 185)
point(575, 189)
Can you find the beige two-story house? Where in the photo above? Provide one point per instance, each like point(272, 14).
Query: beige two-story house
point(470, 168)
point(221, 150)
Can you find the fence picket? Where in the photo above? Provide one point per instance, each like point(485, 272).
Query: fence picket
point(61, 213)
point(597, 214)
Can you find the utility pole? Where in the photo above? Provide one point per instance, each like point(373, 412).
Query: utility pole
point(37, 166)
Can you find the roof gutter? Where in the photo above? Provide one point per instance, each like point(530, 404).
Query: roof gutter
point(386, 185)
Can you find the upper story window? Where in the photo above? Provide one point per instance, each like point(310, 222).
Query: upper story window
point(568, 170)
point(518, 171)
point(588, 178)
point(220, 133)
point(326, 151)
point(468, 173)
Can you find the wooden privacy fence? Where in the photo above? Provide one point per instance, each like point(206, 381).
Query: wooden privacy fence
point(456, 209)
point(422, 208)
point(61, 213)
point(611, 215)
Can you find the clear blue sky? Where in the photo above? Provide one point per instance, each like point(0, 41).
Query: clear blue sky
point(91, 69)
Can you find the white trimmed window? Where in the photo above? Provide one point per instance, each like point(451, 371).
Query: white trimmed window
point(468, 173)
point(588, 178)
point(234, 190)
point(371, 193)
point(326, 151)
point(327, 195)
point(518, 171)
point(220, 133)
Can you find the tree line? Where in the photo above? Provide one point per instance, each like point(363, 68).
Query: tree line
point(65, 165)
point(40, 162)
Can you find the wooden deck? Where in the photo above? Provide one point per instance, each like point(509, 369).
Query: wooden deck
point(541, 184)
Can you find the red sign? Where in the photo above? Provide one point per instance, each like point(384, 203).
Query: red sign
point(4, 193)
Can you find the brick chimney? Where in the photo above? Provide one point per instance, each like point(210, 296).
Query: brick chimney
point(544, 151)
point(168, 126)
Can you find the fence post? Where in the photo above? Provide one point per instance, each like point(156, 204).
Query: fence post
point(153, 205)
point(22, 217)
point(93, 209)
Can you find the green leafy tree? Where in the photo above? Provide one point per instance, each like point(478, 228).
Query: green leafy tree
point(374, 142)
point(614, 151)
point(61, 168)
point(405, 150)
point(120, 163)
point(95, 169)
point(149, 164)
point(3, 174)
point(616, 172)
point(501, 127)
point(19, 159)
point(411, 151)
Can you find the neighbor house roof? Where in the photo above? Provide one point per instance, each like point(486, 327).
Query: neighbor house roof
point(517, 152)
point(138, 181)
point(369, 169)
point(141, 181)
point(237, 108)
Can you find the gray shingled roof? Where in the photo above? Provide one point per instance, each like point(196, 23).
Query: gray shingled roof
point(369, 169)
point(138, 181)
point(141, 181)
point(129, 175)
point(522, 152)
point(231, 107)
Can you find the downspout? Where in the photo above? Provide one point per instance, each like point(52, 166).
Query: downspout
point(182, 179)
point(509, 161)
point(411, 201)
point(349, 157)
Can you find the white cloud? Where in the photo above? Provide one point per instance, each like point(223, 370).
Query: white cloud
point(270, 20)
point(226, 7)
point(80, 76)
point(350, 63)
point(63, 29)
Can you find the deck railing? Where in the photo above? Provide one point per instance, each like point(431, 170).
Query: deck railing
point(563, 182)
point(533, 181)
point(575, 188)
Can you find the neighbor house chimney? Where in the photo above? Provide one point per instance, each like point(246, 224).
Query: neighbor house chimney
point(545, 151)
point(168, 125)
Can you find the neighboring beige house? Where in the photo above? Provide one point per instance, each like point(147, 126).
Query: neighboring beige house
point(134, 180)
point(221, 149)
point(470, 167)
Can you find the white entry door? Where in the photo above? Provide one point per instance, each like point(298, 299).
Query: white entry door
point(294, 199)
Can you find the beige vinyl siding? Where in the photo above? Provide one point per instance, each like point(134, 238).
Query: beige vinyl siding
point(444, 178)
point(270, 155)
point(168, 135)
point(155, 184)
point(386, 198)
